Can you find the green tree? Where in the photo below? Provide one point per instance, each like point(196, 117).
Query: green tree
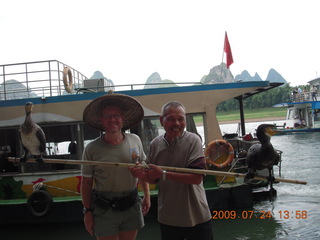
point(261, 100)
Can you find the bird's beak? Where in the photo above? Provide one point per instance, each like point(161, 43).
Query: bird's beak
point(272, 131)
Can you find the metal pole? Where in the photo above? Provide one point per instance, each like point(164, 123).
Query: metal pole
point(243, 128)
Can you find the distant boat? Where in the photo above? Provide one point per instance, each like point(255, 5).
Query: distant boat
point(30, 193)
point(303, 112)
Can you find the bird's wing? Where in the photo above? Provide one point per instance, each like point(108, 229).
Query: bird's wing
point(252, 154)
point(42, 139)
point(254, 149)
point(19, 132)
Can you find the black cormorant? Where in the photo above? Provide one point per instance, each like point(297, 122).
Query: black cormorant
point(32, 137)
point(261, 156)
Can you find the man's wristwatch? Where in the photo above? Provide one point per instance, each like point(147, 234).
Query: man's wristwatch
point(164, 175)
point(85, 210)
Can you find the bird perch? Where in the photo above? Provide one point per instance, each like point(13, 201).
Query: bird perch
point(171, 169)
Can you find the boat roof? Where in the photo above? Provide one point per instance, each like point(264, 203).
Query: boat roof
point(315, 81)
point(44, 82)
point(313, 104)
point(259, 90)
point(260, 86)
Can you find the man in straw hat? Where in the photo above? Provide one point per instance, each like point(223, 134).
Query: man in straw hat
point(112, 207)
point(183, 211)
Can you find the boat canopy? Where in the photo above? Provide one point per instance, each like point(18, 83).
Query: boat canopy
point(315, 105)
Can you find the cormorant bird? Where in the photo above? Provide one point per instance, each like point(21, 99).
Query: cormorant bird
point(261, 156)
point(32, 137)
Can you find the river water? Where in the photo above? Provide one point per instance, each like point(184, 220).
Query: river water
point(296, 210)
point(294, 214)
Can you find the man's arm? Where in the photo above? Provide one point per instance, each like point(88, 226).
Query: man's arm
point(146, 203)
point(86, 194)
point(155, 173)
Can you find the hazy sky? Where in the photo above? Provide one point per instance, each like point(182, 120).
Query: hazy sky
point(128, 40)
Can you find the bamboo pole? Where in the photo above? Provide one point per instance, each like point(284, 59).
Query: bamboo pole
point(170, 169)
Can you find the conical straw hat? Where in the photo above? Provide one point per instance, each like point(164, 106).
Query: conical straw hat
point(131, 109)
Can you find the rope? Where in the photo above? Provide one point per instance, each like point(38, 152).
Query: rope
point(39, 186)
point(62, 189)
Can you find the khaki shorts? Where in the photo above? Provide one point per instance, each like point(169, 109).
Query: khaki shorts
point(109, 222)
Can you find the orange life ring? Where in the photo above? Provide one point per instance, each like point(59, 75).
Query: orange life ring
point(213, 148)
point(67, 79)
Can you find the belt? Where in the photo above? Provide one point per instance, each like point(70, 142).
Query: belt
point(116, 203)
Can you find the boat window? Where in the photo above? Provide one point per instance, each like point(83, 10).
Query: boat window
point(290, 114)
point(316, 113)
point(151, 129)
point(62, 148)
point(195, 124)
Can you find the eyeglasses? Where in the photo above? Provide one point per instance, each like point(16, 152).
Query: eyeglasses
point(114, 116)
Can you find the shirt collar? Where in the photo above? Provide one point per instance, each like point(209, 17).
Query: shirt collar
point(174, 142)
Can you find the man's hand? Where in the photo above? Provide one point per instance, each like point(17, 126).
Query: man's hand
point(146, 204)
point(154, 172)
point(138, 171)
point(89, 223)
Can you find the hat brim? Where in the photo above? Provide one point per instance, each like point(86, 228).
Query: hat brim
point(130, 107)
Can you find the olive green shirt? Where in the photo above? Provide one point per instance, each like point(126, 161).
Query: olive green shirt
point(112, 178)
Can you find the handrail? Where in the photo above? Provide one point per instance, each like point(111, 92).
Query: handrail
point(35, 79)
point(45, 79)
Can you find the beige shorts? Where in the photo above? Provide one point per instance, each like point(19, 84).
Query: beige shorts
point(109, 222)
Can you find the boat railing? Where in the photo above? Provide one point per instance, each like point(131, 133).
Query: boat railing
point(51, 78)
point(302, 97)
point(36, 79)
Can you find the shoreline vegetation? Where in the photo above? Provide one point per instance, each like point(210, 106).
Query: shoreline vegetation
point(256, 115)
point(266, 119)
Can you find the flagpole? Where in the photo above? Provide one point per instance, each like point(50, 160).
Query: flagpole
point(223, 55)
point(224, 45)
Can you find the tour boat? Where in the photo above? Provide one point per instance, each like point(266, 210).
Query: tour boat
point(303, 111)
point(32, 192)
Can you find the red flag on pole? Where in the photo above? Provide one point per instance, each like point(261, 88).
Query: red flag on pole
point(227, 50)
